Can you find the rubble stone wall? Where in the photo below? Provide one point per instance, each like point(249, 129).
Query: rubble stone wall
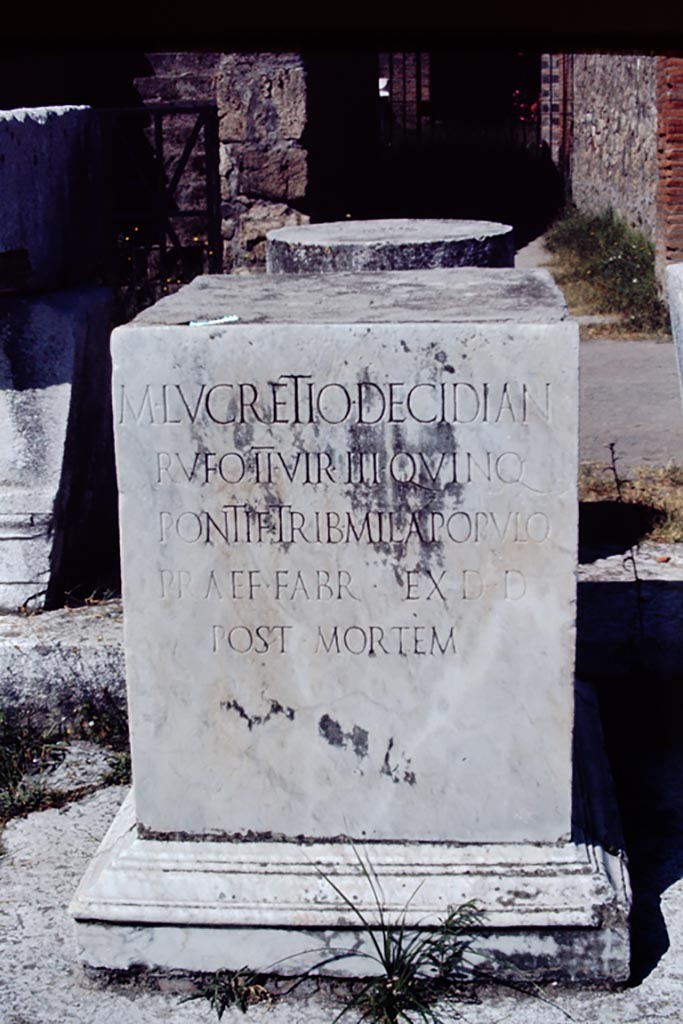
point(261, 103)
point(263, 163)
point(614, 147)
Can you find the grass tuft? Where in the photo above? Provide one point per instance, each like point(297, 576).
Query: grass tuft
point(25, 747)
point(412, 967)
point(32, 739)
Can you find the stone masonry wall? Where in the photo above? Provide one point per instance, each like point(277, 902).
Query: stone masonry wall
point(261, 101)
point(181, 79)
point(614, 147)
point(263, 163)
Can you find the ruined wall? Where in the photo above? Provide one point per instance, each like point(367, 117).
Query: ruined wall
point(614, 144)
point(58, 529)
point(182, 79)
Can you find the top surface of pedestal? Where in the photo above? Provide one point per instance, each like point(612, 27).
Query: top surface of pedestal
point(395, 232)
point(460, 295)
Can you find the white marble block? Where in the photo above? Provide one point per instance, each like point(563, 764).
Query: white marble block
point(674, 285)
point(349, 525)
point(52, 349)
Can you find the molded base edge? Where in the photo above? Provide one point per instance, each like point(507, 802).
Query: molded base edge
point(555, 911)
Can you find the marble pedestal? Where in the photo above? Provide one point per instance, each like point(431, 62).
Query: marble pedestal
point(349, 526)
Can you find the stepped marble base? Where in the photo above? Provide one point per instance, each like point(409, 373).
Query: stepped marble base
point(554, 910)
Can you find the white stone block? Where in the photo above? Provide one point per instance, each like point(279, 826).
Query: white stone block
point(412, 631)
point(45, 342)
point(360, 246)
point(554, 909)
point(674, 285)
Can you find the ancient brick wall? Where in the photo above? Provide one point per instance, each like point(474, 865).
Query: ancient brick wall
point(614, 139)
point(552, 102)
point(669, 239)
point(556, 107)
point(263, 164)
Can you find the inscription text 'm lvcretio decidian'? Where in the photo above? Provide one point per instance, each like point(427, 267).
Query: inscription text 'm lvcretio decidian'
point(295, 399)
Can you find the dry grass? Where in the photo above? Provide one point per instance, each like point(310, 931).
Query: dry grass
point(656, 488)
point(585, 299)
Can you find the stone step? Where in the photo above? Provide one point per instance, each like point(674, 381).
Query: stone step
point(60, 660)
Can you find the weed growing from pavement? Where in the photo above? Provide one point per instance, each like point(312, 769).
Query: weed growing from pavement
point(32, 740)
point(102, 720)
point(605, 266)
point(413, 966)
point(25, 747)
point(226, 989)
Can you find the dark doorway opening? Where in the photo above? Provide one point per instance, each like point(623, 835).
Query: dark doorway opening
point(430, 134)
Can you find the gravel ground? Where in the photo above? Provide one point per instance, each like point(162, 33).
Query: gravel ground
point(41, 982)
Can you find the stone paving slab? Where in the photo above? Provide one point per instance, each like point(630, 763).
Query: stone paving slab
point(42, 983)
point(629, 394)
point(629, 390)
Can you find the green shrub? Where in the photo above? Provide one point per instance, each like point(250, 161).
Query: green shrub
point(412, 967)
point(616, 261)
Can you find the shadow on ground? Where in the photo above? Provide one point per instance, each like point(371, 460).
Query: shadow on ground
point(613, 527)
point(630, 652)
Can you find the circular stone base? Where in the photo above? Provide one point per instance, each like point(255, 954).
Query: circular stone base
point(361, 245)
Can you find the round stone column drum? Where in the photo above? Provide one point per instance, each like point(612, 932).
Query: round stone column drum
point(365, 245)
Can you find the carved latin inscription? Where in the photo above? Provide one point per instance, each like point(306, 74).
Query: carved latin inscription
point(351, 551)
point(395, 496)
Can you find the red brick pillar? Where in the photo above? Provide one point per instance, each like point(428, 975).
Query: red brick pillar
point(669, 240)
